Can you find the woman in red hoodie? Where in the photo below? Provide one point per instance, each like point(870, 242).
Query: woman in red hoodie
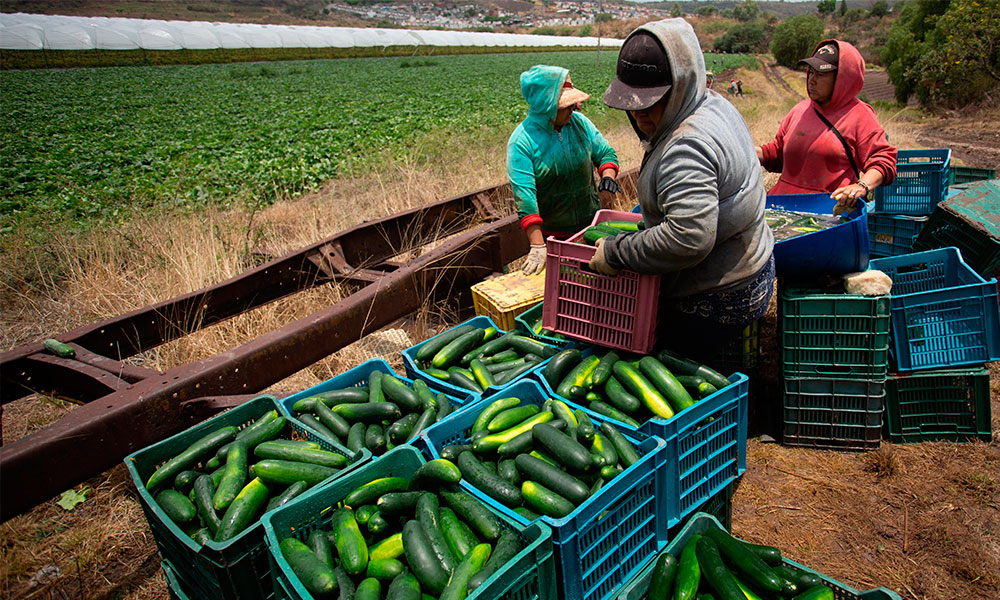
point(831, 142)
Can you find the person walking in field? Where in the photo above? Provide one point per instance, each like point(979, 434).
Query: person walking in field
point(831, 142)
point(739, 88)
point(551, 159)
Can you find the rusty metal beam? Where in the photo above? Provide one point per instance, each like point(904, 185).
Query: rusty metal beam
point(100, 434)
point(359, 247)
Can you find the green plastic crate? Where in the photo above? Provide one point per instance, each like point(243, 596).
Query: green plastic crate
point(835, 414)
point(961, 174)
point(236, 569)
point(530, 575)
point(833, 334)
point(525, 320)
point(700, 523)
point(741, 354)
point(946, 404)
point(719, 506)
point(175, 587)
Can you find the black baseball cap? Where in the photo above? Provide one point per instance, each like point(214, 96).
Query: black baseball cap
point(825, 59)
point(643, 74)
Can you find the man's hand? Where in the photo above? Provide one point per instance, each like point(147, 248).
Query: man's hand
point(599, 263)
point(535, 261)
point(608, 184)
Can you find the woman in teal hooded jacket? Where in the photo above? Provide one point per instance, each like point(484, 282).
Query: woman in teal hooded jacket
point(551, 158)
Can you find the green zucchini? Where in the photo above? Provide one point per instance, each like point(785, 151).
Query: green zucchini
point(544, 501)
point(457, 534)
point(507, 547)
point(665, 382)
point(286, 472)
point(285, 452)
point(627, 454)
point(404, 587)
point(553, 478)
point(474, 513)
point(452, 353)
point(661, 584)
point(428, 349)
point(399, 394)
point(635, 382)
point(233, 478)
point(204, 446)
point(457, 586)
point(422, 560)
point(490, 483)
point(680, 365)
point(569, 452)
point(560, 365)
point(317, 577)
point(384, 568)
point(203, 490)
point(248, 505)
point(755, 570)
point(715, 572)
point(688, 571)
point(177, 506)
point(435, 473)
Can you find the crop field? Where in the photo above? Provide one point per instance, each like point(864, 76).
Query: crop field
point(85, 144)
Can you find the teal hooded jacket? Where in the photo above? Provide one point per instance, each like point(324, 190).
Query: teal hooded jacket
point(552, 172)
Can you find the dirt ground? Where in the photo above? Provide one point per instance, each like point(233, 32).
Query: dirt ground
point(921, 519)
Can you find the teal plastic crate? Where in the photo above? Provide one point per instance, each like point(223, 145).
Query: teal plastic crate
point(921, 183)
point(892, 235)
point(236, 569)
point(943, 313)
point(833, 334)
point(699, 524)
point(530, 575)
point(833, 414)
point(946, 404)
point(605, 541)
point(525, 320)
point(414, 370)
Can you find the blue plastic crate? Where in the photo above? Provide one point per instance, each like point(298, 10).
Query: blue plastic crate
point(809, 254)
point(893, 235)
point(358, 377)
point(530, 575)
point(414, 370)
point(236, 569)
point(699, 524)
point(706, 446)
point(921, 182)
point(943, 313)
point(605, 541)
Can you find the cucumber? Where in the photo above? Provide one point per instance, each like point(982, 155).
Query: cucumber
point(801, 579)
point(351, 395)
point(457, 587)
point(333, 421)
point(384, 568)
point(635, 382)
point(390, 547)
point(474, 513)
point(375, 438)
point(490, 483)
point(396, 505)
point(688, 571)
point(452, 353)
point(457, 534)
point(435, 473)
point(511, 374)
point(565, 413)
point(436, 373)
point(202, 491)
point(543, 500)
point(199, 449)
point(443, 406)
point(428, 349)
point(618, 397)
point(715, 572)
point(376, 523)
point(661, 584)
point(369, 412)
point(768, 554)
point(345, 584)
point(363, 513)
point(185, 479)
point(622, 225)
point(320, 545)
point(690, 382)
point(464, 380)
point(452, 451)
point(425, 420)
point(525, 345)
point(753, 569)
point(507, 548)
point(60, 349)
point(665, 382)
point(427, 514)
point(507, 355)
point(286, 472)
point(577, 375)
point(569, 452)
point(177, 506)
point(491, 411)
point(483, 375)
point(317, 577)
point(399, 394)
point(706, 389)
point(527, 513)
point(313, 423)
point(284, 452)
point(421, 559)
point(817, 592)
point(404, 587)
point(561, 364)
point(350, 544)
point(553, 478)
point(233, 478)
point(201, 536)
point(375, 393)
point(369, 589)
point(592, 234)
point(489, 348)
point(603, 370)
point(585, 429)
point(356, 437)
point(291, 492)
point(423, 391)
point(399, 431)
point(507, 469)
point(613, 413)
point(627, 454)
point(244, 510)
point(511, 417)
point(493, 441)
point(680, 365)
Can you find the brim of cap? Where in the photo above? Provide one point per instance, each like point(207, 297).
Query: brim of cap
point(627, 97)
point(571, 96)
point(820, 65)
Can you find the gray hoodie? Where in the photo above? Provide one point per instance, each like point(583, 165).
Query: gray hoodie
point(700, 186)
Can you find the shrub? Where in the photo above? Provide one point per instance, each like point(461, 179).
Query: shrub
point(743, 38)
point(795, 39)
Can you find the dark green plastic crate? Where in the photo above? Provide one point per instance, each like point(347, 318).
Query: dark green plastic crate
point(525, 320)
point(833, 335)
point(946, 404)
point(833, 413)
point(699, 524)
point(741, 354)
point(945, 228)
point(236, 569)
point(719, 506)
point(961, 174)
point(530, 575)
point(175, 587)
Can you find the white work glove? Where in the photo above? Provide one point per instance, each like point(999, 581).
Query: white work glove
point(535, 261)
point(599, 263)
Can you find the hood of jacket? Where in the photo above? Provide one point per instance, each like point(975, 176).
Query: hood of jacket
point(687, 68)
point(850, 77)
point(541, 87)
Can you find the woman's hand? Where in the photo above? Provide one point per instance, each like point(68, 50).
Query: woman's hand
point(847, 196)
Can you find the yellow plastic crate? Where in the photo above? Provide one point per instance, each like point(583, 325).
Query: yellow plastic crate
point(503, 298)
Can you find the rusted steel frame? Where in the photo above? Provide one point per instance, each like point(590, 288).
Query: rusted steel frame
point(100, 434)
point(199, 409)
point(360, 247)
point(130, 373)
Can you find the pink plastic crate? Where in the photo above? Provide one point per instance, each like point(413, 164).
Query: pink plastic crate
point(615, 312)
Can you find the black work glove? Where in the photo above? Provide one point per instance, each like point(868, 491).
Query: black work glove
point(609, 185)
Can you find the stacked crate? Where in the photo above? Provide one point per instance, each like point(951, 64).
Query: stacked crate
point(902, 208)
point(970, 221)
point(834, 362)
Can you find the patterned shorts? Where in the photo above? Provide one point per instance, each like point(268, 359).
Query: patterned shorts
point(733, 307)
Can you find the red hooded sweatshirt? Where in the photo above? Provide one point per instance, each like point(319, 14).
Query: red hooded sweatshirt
point(808, 154)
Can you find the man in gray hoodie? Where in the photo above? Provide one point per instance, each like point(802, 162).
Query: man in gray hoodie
point(701, 192)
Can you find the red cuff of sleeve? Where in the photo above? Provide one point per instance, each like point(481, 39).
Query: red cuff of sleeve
point(607, 165)
point(529, 220)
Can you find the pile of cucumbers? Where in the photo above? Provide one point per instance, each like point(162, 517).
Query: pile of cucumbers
point(475, 358)
point(399, 538)
point(609, 229)
point(223, 482)
point(718, 566)
point(379, 416)
point(540, 459)
point(631, 389)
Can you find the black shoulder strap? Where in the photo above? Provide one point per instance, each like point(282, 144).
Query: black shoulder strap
point(847, 149)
